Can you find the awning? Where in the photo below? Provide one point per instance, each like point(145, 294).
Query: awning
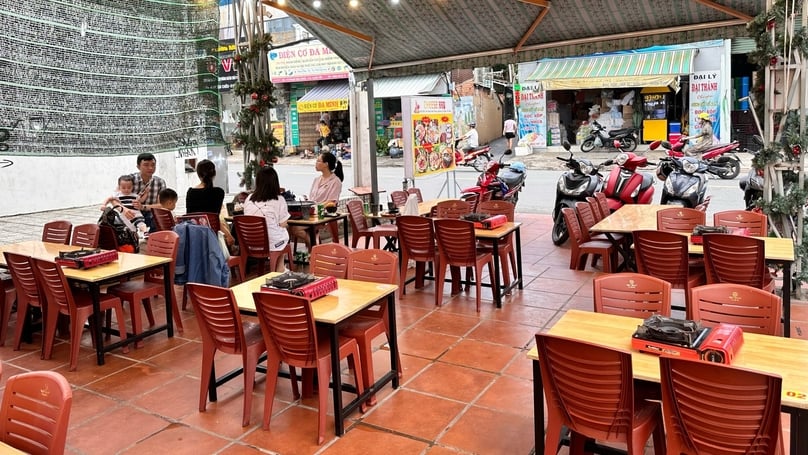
point(396, 87)
point(619, 70)
point(326, 96)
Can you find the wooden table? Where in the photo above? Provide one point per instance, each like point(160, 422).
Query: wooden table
point(785, 357)
point(6, 449)
point(313, 222)
point(330, 311)
point(127, 265)
point(497, 235)
point(632, 217)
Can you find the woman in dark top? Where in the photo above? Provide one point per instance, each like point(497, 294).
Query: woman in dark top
point(207, 198)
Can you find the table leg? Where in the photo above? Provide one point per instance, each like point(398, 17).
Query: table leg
point(538, 409)
point(393, 341)
point(336, 381)
point(625, 250)
point(519, 256)
point(169, 290)
point(312, 236)
point(799, 431)
point(345, 230)
point(787, 299)
point(495, 280)
point(98, 318)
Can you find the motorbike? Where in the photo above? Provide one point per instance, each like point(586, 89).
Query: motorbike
point(721, 160)
point(506, 180)
point(581, 180)
point(598, 137)
point(685, 182)
point(624, 185)
point(752, 184)
point(478, 157)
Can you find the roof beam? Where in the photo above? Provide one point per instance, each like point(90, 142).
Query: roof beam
point(532, 27)
point(725, 9)
point(543, 3)
point(317, 20)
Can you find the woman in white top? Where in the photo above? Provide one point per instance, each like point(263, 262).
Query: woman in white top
point(267, 202)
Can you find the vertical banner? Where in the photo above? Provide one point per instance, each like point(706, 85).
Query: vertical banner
point(428, 135)
point(278, 131)
point(705, 96)
point(532, 116)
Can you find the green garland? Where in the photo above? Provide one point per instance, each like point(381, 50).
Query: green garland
point(252, 134)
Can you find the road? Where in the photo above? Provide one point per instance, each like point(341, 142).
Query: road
point(538, 195)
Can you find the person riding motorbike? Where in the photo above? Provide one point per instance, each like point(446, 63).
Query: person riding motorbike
point(471, 137)
point(705, 136)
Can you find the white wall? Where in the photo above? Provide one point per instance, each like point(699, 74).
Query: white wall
point(35, 184)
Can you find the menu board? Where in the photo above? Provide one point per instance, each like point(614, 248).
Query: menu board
point(428, 134)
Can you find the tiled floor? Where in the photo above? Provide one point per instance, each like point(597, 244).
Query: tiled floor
point(466, 388)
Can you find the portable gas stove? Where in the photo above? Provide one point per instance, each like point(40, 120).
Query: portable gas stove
point(84, 259)
point(688, 339)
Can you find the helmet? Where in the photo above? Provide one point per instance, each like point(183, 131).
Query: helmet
point(472, 124)
point(704, 116)
point(517, 166)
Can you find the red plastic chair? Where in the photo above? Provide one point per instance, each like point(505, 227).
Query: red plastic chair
point(453, 209)
point(587, 218)
point(715, 408)
point(86, 235)
point(753, 309)
point(416, 192)
point(360, 228)
point(9, 295)
point(632, 294)
point(57, 231)
point(457, 247)
point(680, 219)
point(580, 249)
point(664, 255)
point(416, 237)
point(736, 259)
point(590, 390)
point(594, 206)
point(377, 266)
point(472, 199)
point(399, 198)
point(329, 259)
point(27, 290)
point(162, 244)
point(163, 219)
point(756, 223)
point(603, 203)
point(291, 337)
point(505, 248)
point(222, 329)
point(253, 241)
point(35, 412)
point(77, 304)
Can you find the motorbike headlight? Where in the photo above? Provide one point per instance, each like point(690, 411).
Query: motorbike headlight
point(586, 167)
point(690, 166)
point(579, 189)
point(690, 191)
point(621, 159)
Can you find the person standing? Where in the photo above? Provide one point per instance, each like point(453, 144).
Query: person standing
point(509, 131)
point(324, 131)
point(147, 186)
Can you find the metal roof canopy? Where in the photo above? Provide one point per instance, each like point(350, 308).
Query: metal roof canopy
point(429, 36)
point(326, 96)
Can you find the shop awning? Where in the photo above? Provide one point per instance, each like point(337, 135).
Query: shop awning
point(326, 96)
point(619, 70)
point(396, 87)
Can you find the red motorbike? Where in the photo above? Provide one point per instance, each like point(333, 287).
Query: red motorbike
point(721, 160)
point(624, 185)
point(506, 180)
point(477, 157)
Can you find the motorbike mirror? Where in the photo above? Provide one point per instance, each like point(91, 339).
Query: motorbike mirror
point(757, 139)
point(654, 145)
point(666, 144)
point(566, 145)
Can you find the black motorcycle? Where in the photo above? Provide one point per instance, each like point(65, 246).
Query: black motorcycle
point(752, 184)
point(599, 137)
point(685, 183)
point(580, 181)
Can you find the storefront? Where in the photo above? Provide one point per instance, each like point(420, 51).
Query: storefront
point(387, 93)
point(650, 89)
point(327, 101)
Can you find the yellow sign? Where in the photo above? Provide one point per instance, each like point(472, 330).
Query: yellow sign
point(322, 105)
point(279, 133)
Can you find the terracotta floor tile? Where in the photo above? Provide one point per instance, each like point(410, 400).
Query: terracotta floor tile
point(369, 441)
point(132, 382)
point(238, 448)
point(407, 315)
point(540, 299)
point(184, 358)
point(175, 399)
point(89, 405)
point(425, 344)
point(440, 450)
point(415, 414)
point(555, 286)
point(506, 333)
point(114, 431)
point(521, 367)
point(526, 315)
point(89, 371)
point(579, 303)
point(504, 432)
point(451, 381)
point(292, 432)
point(507, 394)
point(447, 323)
point(480, 355)
point(224, 416)
point(178, 439)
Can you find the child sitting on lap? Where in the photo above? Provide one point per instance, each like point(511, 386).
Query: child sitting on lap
point(124, 200)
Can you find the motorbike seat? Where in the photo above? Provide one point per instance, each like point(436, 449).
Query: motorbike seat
point(620, 132)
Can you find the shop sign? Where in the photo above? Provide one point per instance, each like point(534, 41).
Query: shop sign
point(532, 113)
point(279, 133)
point(323, 105)
point(705, 96)
point(308, 62)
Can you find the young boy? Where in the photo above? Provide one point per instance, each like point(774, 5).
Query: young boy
point(167, 199)
point(124, 199)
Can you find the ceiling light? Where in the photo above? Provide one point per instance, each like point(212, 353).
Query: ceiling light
point(395, 2)
point(353, 3)
point(281, 2)
point(317, 3)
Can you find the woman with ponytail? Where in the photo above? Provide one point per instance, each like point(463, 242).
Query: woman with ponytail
point(207, 198)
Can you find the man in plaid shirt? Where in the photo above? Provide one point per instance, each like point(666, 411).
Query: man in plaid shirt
point(147, 186)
